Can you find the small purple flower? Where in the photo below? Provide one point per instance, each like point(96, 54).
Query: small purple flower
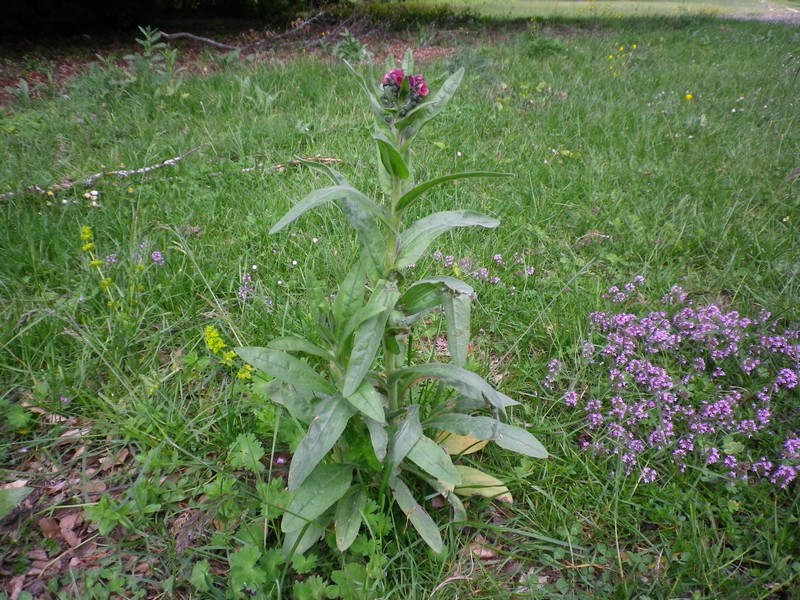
point(111, 260)
point(498, 258)
point(157, 258)
point(437, 256)
point(571, 398)
point(65, 400)
point(648, 475)
point(247, 288)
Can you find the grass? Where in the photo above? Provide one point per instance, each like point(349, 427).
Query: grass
point(663, 148)
point(526, 9)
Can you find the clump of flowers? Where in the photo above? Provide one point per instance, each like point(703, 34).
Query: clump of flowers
point(217, 346)
point(694, 384)
point(503, 271)
point(403, 92)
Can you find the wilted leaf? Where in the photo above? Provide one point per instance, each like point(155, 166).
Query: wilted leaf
point(477, 483)
point(456, 444)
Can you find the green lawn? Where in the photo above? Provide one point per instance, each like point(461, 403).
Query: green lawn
point(523, 9)
point(648, 153)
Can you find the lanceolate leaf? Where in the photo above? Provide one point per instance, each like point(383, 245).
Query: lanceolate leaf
point(327, 484)
point(421, 520)
point(411, 123)
point(477, 483)
point(298, 344)
point(347, 520)
point(330, 418)
point(459, 512)
point(368, 401)
point(296, 542)
point(406, 436)
point(504, 435)
point(368, 336)
point(299, 405)
point(391, 159)
point(379, 438)
point(415, 240)
point(411, 195)
point(329, 194)
point(421, 297)
point(456, 445)
point(457, 309)
point(285, 367)
point(350, 298)
point(335, 176)
point(430, 457)
point(371, 241)
point(466, 382)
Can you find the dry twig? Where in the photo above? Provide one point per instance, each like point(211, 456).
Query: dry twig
point(91, 179)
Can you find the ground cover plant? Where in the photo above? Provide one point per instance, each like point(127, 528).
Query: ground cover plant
point(143, 457)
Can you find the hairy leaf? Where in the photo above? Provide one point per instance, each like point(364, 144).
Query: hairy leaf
point(335, 176)
point(415, 240)
point(299, 405)
point(368, 336)
point(379, 438)
point(298, 541)
point(413, 121)
point(285, 367)
point(319, 492)
point(392, 161)
point(330, 418)
point(430, 457)
point(298, 344)
point(368, 401)
point(421, 520)
point(418, 190)
point(350, 298)
point(457, 310)
point(506, 436)
point(348, 517)
point(466, 382)
point(371, 241)
point(329, 194)
point(406, 436)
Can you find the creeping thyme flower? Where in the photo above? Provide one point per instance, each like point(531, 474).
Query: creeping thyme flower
point(157, 258)
point(214, 340)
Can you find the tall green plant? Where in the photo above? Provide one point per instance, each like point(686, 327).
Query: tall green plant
point(376, 422)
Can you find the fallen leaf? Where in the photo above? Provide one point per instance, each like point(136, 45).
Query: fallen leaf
point(49, 527)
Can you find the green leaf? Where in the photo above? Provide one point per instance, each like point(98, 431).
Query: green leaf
point(413, 122)
point(347, 520)
point(406, 436)
point(415, 240)
point(245, 571)
point(325, 195)
point(335, 176)
point(320, 491)
point(298, 344)
point(246, 452)
point(351, 582)
point(201, 576)
point(375, 104)
point(286, 368)
point(466, 382)
point(392, 161)
point(422, 297)
point(457, 310)
point(298, 541)
point(430, 457)
point(448, 492)
point(504, 435)
point(350, 298)
point(477, 483)
point(421, 520)
point(330, 418)
point(369, 335)
point(408, 61)
point(379, 438)
point(10, 498)
point(300, 406)
point(371, 241)
point(368, 401)
point(520, 441)
point(418, 190)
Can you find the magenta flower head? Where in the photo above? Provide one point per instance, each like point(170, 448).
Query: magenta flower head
point(394, 78)
point(417, 83)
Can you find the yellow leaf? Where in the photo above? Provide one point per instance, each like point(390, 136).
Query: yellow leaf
point(477, 483)
point(459, 444)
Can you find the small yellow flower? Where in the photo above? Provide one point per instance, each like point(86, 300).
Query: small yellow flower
point(140, 267)
point(245, 373)
point(689, 97)
point(214, 340)
point(49, 193)
point(130, 190)
point(86, 234)
point(105, 284)
point(227, 358)
point(96, 263)
point(634, 46)
point(622, 48)
point(88, 247)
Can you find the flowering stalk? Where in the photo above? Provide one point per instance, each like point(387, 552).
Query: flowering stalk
point(362, 338)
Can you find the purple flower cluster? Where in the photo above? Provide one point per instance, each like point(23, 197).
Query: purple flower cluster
point(247, 289)
point(695, 383)
point(498, 273)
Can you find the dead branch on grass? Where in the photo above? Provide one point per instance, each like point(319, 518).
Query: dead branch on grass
point(91, 179)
